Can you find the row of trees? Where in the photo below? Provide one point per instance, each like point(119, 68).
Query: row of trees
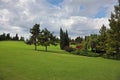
point(8, 37)
point(41, 37)
point(108, 42)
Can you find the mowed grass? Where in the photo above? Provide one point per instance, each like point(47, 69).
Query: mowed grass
point(19, 61)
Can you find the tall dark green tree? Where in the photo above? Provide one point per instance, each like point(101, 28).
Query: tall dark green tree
point(8, 36)
point(113, 41)
point(64, 39)
point(34, 34)
point(61, 39)
point(46, 38)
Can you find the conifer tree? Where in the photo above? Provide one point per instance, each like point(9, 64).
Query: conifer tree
point(102, 39)
point(35, 33)
point(113, 40)
point(64, 39)
point(61, 39)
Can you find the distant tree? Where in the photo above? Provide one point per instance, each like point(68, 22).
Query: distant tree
point(66, 39)
point(78, 39)
point(46, 38)
point(8, 36)
point(29, 41)
point(16, 37)
point(21, 38)
point(61, 39)
point(35, 33)
point(113, 34)
point(2, 37)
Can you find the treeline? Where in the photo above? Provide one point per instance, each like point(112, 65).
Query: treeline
point(107, 43)
point(4, 37)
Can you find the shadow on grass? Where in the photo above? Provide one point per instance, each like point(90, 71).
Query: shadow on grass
point(53, 51)
point(1, 76)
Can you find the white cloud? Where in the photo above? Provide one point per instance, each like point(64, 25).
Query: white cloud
point(78, 16)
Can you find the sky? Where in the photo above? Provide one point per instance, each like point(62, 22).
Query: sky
point(78, 17)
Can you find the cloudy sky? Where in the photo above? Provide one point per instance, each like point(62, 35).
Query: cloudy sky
point(79, 17)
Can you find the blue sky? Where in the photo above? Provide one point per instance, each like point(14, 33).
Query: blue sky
point(55, 2)
point(79, 17)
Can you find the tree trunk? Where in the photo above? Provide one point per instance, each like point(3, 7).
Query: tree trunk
point(46, 48)
point(35, 47)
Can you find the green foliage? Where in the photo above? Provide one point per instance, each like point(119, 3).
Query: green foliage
point(85, 53)
point(61, 39)
point(113, 34)
point(46, 38)
point(16, 38)
point(21, 38)
point(102, 38)
point(69, 49)
point(6, 37)
point(78, 40)
point(35, 33)
point(64, 39)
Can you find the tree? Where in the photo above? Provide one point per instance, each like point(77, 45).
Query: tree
point(113, 34)
point(16, 37)
point(94, 42)
point(64, 39)
point(46, 38)
point(21, 38)
point(2, 37)
point(35, 33)
point(8, 37)
point(61, 39)
point(102, 39)
point(78, 39)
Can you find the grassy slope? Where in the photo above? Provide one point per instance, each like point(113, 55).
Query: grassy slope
point(20, 62)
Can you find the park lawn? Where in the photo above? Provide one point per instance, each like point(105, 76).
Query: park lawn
point(19, 61)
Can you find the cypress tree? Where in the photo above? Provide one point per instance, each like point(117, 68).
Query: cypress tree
point(64, 39)
point(61, 39)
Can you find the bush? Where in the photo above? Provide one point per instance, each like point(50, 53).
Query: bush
point(85, 53)
point(69, 49)
point(91, 54)
point(76, 52)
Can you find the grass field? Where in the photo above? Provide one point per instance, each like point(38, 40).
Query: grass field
point(19, 61)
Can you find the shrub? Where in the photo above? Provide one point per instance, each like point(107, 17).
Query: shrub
point(69, 49)
point(79, 46)
point(76, 52)
point(92, 54)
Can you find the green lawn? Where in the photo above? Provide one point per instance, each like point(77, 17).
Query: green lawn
point(19, 61)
